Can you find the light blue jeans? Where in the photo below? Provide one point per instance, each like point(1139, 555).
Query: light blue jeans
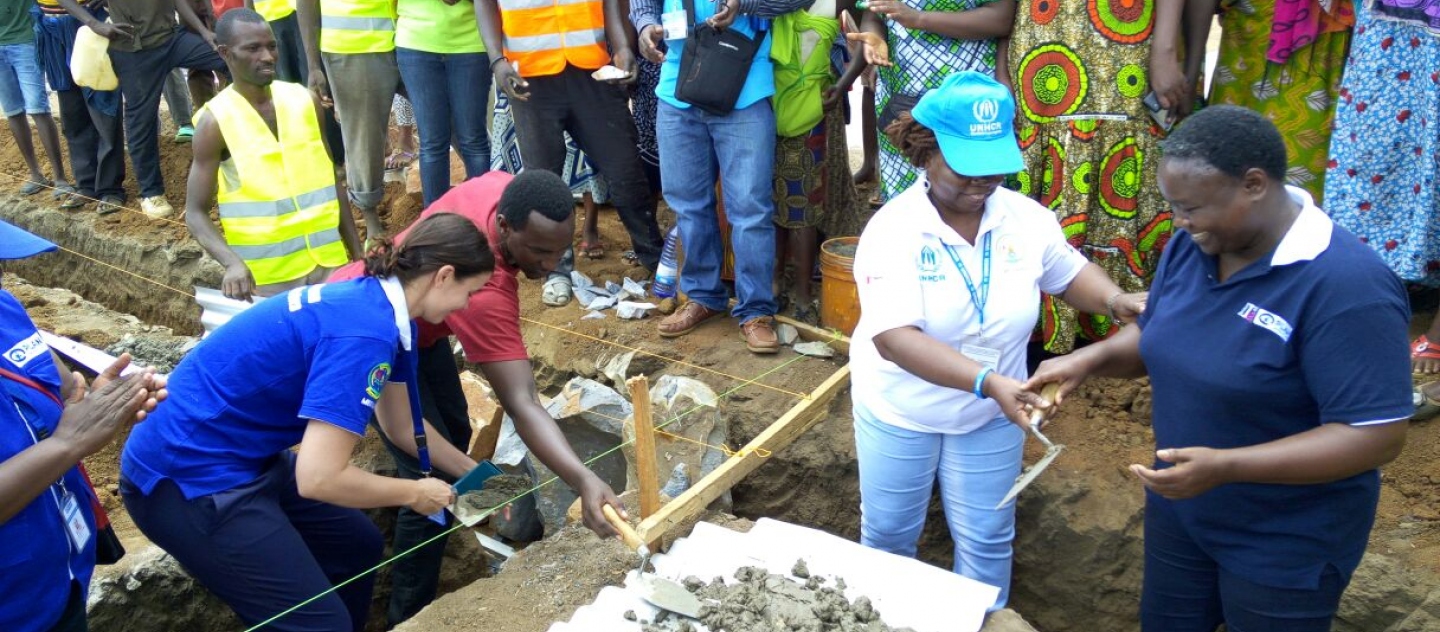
point(739, 149)
point(898, 469)
point(22, 87)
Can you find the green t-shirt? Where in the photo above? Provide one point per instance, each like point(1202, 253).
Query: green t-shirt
point(16, 25)
point(433, 26)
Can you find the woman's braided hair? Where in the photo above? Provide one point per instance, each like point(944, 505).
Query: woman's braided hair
point(436, 241)
point(915, 141)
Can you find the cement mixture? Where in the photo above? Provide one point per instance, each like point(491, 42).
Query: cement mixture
point(766, 602)
point(498, 491)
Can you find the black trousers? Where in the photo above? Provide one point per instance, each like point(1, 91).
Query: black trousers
point(414, 578)
point(597, 116)
point(142, 79)
point(97, 146)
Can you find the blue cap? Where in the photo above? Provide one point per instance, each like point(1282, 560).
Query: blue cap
point(18, 243)
point(973, 117)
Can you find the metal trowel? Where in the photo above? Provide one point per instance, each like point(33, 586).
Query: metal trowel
point(662, 593)
point(1052, 450)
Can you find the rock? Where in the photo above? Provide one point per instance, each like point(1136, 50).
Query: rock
point(787, 333)
point(149, 590)
point(602, 302)
point(592, 316)
point(632, 289)
point(591, 415)
point(616, 368)
point(667, 306)
point(678, 483)
point(690, 409)
point(814, 349)
point(1006, 620)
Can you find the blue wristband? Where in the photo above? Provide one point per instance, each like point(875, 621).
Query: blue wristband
point(980, 381)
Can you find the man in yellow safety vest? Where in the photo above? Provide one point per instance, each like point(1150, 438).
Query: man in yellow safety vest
point(285, 218)
point(350, 45)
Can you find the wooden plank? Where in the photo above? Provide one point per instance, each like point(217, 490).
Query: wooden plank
point(645, 466)
point(837, 341)
point(780, 434)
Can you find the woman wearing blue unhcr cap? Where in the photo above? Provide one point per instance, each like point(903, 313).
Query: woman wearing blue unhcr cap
point(950, 274)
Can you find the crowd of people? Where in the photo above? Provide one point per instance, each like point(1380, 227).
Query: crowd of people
point(1059, 158)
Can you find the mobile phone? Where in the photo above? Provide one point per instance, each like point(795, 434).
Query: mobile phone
point(1160, 116)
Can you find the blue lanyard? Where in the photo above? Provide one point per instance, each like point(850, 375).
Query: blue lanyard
point(983, 296)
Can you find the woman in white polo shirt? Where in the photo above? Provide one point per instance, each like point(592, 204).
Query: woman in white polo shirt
point(950, 274)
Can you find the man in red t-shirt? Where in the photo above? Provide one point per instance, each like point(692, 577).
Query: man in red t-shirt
point(529, 221)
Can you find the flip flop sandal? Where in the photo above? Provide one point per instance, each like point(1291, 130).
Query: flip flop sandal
point(61, 190)
point(630, 257)
point(1423, 349)
point(592, 250)
point(73, 200)
point(108, 205)
point(32, 187)
point(399, 160)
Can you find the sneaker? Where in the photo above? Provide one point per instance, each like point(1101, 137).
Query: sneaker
point(110, 204)
point(157, 207)
point(759, 335)
point(185, 134)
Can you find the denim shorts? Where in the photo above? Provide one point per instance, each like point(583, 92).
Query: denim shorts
point(22, 86)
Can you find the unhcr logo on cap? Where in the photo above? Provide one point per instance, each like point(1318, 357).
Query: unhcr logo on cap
point(986, 112)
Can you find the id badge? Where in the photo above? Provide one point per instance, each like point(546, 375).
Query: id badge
point(676, 24)
point(74, 520)
point(988, 357)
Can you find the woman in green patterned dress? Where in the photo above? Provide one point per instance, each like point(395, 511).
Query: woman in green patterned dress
point(1284, 59)
point(916, 44)
point(1081, 70)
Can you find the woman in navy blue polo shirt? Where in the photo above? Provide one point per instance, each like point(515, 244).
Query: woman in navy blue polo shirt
point(1275, 345)
point(211, 477)
point(48, 422)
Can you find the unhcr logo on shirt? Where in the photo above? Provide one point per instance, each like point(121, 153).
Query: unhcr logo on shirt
point(928, 263)
point(987, 114)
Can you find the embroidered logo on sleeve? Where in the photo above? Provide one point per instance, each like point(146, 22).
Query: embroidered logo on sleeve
point(378, 376)
point(26, 350)
point(1267, 320)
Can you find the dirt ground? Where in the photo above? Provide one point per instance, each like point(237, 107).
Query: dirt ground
point(1105, 424)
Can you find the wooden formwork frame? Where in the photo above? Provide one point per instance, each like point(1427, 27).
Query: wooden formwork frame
point(800, 418)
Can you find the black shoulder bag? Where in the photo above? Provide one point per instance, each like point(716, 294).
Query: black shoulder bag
point(714, 65)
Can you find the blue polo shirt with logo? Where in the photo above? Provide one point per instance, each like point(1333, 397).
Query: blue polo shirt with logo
point(248, 391)
point(37, 560)
point(1314, 334)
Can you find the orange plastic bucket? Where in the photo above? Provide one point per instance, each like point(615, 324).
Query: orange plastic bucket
point(839, 297)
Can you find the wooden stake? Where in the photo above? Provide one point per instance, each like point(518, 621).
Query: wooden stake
point(644, 446)
point(780, 434)
point(811, 333)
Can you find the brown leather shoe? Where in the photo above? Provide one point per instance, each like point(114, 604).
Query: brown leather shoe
point(759, 334)
point(685, 319)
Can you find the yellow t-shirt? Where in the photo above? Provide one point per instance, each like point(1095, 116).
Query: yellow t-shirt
point(433, 26)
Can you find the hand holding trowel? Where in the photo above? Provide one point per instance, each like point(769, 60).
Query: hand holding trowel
point(660, 592)
point(1052, 450)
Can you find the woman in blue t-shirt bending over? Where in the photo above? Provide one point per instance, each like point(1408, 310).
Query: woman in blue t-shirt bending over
point(211, 478)
point(1275, 344)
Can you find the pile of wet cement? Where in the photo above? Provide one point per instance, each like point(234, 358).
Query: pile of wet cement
point(765, 602)
point(497, 492)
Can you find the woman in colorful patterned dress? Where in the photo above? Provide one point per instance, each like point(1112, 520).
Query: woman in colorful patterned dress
point(916, 44)
point(1384, 172)
point(1283, 59)
point(1081, 70)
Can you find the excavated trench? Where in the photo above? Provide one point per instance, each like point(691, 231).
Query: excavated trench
point(1078, 549)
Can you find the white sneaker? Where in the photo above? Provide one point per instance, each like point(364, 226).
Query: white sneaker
point(157, 207)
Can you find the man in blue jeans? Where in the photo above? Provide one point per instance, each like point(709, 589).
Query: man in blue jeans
point(739, 147)
point(22, 91)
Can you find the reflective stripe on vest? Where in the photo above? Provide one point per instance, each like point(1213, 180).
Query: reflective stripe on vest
point(273, 10)
point(543, 36)
point(357, 26)
point(277, 199)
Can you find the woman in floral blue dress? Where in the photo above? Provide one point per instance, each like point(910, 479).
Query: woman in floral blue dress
point(1384, 167)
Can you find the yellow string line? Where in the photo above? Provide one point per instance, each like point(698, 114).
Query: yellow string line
point(729, 452)
point(142, 278)
point(662, 357)
point(86, 197)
